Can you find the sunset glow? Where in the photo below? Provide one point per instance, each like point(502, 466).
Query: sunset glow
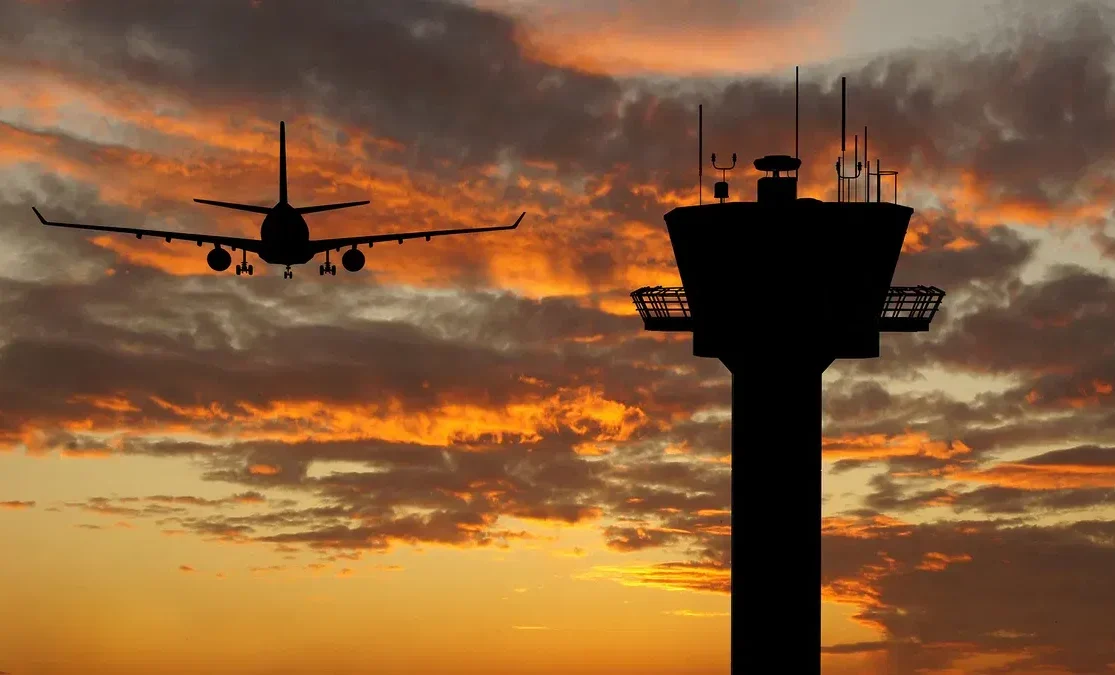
point(469, 457)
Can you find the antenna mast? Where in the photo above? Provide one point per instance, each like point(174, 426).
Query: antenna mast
point(841, 179)
point(797, 115)
point(700, 154)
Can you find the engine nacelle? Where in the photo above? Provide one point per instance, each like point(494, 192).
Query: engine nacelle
point(218, 259)
point(353, 260)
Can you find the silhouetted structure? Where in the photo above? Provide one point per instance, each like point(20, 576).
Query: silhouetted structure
point(778, 289)
point(284, 236)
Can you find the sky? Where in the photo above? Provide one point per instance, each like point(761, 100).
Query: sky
point(470, 457)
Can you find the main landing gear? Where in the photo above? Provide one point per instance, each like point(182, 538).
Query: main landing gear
point(288, 274)
point(327, 268)
point(244, 267)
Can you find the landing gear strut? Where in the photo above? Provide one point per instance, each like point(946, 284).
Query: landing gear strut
point(327, 268)
point(288, 274)
point(244, 267)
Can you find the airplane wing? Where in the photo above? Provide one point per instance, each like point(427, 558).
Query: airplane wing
point(321, 245)
point(235, 243)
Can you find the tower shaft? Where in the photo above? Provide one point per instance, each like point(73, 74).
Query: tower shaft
point(776, 513)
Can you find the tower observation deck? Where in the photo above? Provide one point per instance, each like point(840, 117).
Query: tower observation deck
point(777, 289)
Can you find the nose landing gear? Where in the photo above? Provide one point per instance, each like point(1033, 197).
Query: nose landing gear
point(288, 274)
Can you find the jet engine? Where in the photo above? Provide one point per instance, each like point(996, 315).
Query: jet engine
point(218, 259)
point(353, 260)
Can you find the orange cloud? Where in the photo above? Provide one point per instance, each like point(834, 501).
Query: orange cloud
point(860, 590)
point(1089, 394)
point(583, 410)
point(694, 614)
point(623, 37)
point(668, 576)
point(935, 562)
point(17, 505)
point(973, 198)
point(882, 446)
point(875, 527)
point(186, 568)
point(1041, 476)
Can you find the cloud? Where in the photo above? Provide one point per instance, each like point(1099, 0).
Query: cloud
point(694, 614)
point(625, 38)
point(1048, 327)
point(531, 438)
point(672, 576)
point(944, 591)
point(14, 505)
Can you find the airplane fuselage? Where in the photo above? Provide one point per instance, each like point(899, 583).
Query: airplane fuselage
point(285, 237)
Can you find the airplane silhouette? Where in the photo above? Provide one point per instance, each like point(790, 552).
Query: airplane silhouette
point(284, 237)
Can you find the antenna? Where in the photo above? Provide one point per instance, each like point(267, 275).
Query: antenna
point(797, 116)
point(841, 179)
point(843, 113)
point(700, 154)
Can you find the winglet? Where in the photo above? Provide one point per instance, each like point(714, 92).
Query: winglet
point(520, 219)
point(42, 220)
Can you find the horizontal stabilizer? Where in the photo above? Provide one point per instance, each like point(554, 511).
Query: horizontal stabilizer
point(238, 207)
point(329, 207)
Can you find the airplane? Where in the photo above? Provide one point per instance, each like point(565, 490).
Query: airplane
point(284, 237)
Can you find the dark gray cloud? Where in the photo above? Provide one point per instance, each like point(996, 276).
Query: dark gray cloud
point(948, 589)
point(1034, 501)
point(464, 89)
point(990, 257)
point(1058, 324)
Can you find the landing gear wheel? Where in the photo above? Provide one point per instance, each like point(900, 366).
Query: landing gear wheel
point(321, 270)
point(244, 267)
point(288, 274)
point(251, 270)
point(333, 270)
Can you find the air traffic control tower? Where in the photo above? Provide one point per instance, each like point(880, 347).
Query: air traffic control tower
point(777, 289)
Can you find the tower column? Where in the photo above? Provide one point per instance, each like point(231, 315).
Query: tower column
point(776, 504)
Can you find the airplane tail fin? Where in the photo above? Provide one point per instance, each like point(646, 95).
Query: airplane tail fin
point(282, 163)
point(329, 207)
point(239, 207)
